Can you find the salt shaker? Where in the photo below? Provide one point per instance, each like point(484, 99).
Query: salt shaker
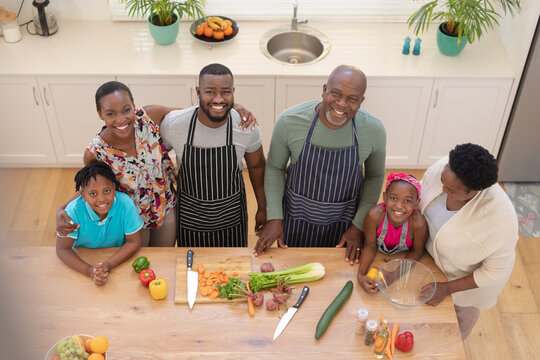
point(371, 327)
point(361, 319)
point(10, 26)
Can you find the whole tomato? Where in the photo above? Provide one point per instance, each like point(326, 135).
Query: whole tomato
point(405, 341)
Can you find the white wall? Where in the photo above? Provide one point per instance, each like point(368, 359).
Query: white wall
point(516, 35)
point(517, 32)
point(356, 10)
point(67, 9)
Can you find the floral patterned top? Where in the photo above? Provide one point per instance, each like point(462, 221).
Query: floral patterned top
point(149, 179)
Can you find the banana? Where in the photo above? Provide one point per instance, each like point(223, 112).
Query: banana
point(212, 24)
point(218, 21)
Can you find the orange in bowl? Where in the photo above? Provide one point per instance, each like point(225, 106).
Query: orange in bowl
point(99, 344)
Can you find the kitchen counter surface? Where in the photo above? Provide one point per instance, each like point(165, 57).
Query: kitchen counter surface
point(47, 301)
point(126, 48)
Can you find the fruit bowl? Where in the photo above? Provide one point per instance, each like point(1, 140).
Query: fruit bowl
point(401, 282)
point(52, 351)
point(211, 40)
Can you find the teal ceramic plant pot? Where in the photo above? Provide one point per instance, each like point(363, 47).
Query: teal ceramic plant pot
point(163, 35)
point(448, 43)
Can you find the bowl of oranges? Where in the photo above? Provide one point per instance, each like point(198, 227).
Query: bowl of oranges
point(214, 29)
point(79, 347)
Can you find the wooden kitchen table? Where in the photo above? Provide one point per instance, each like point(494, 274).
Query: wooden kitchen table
point(42, 300)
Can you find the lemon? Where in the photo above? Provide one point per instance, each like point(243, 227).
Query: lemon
point(372, 274)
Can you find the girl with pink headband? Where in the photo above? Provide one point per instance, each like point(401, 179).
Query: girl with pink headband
point(394, 225)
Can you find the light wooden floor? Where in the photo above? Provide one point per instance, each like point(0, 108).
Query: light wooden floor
point(507, 331)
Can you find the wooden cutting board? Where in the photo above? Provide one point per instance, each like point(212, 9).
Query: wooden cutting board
point(240, 264)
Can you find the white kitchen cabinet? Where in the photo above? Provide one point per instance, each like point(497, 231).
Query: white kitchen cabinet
point(69, 103)
point(26, 140)
point(424, 117)
point(174, 91)
point(257, 95)
point(291, 91)
point(400, 103)
point(461, 111)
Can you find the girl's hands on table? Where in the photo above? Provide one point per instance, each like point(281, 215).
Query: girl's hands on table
point(367, 284)
point(100, 271)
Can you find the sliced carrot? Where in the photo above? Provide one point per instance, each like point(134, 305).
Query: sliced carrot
point(213, 295)
point(200, 268)
point(235, 273)
point(204, 292)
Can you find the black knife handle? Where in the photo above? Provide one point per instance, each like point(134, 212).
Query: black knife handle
point(190, 259)
point(302, 297)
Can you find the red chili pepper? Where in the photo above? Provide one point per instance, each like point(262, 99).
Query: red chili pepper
point(146, 276)
point(405, 341)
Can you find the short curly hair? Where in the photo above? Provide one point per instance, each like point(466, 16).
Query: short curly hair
point(474, 166)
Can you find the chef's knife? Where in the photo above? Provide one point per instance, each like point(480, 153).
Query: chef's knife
point(192, 280)
point(290, 313)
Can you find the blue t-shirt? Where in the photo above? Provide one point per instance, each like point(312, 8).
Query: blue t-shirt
point(123, 219)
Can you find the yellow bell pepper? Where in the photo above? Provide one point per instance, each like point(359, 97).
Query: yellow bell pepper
point(158, 289)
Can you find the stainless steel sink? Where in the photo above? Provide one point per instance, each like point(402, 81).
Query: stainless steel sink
point(295, 47)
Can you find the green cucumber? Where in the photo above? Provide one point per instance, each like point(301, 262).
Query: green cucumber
point(332, 309)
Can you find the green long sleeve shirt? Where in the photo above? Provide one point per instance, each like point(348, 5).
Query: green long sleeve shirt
point(289, 136)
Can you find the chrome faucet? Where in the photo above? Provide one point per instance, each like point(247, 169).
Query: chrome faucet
point(295, 21)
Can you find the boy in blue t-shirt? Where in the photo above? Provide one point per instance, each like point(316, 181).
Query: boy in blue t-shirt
point(106, 219)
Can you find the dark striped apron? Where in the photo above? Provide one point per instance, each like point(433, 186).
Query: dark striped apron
point(321, 194)
point(212, 209)
point(401, 246)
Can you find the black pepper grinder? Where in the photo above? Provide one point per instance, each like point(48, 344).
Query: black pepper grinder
point(45, 23)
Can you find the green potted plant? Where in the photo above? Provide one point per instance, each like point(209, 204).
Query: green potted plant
point(164, 15)
point(462, 21)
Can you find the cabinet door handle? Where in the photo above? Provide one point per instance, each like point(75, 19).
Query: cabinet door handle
point(45, 96)
point(35, 97)
point(436, 98)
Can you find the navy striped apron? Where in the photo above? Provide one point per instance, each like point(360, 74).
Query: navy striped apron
point(212, 209)
point(401, 246)
point(321, 194)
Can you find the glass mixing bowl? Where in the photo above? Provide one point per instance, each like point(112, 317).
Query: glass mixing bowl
point(403, 282)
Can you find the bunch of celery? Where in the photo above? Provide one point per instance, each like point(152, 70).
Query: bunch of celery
point(300, 274)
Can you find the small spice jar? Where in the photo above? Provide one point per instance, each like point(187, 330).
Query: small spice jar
point(361, 319)
point(371, 327)
point(10, 26)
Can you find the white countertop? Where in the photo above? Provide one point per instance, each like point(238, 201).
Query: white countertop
point(126, 48)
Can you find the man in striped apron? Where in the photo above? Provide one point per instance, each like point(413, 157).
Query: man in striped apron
point(335, 154)
point(212, 207)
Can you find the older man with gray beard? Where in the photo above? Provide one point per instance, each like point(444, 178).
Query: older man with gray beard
point(325, 169)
